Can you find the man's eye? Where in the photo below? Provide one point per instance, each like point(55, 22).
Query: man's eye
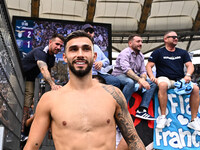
point(86, 48)
point(59, 44)
point(73, 49)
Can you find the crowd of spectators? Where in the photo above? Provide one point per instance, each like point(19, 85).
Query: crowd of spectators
point(43, 31)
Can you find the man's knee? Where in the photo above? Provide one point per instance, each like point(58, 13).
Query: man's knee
point(126, 81)
point(163, 87)
point(152, 84)
point(195, 89)
point(115, 81)
point(130, 82)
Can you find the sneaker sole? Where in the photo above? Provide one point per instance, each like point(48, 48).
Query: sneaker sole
point(160, 127)
point(191, 127)
point(141, 117)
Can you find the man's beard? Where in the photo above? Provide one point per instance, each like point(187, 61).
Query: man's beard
point(80, 73)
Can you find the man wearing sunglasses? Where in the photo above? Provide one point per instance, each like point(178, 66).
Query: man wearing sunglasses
point(169, 62)
point(101, 62)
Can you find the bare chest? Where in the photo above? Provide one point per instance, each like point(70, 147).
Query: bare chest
point(84, 112)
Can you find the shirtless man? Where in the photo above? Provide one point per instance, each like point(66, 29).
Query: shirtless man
point(83, 114)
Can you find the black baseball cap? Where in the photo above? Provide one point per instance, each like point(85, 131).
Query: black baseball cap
point(88, 28)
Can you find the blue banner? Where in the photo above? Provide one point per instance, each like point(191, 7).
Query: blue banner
point(176, 135)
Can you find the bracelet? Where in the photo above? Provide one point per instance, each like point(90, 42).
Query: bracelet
point(187, 74)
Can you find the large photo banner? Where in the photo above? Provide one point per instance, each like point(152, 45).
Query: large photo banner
point(176, 135)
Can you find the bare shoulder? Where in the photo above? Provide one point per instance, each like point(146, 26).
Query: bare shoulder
point(48, 97)
point(116, 93)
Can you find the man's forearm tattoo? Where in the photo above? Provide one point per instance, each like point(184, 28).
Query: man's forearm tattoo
point(46, 74)
point(124, 122)
point(41, 64)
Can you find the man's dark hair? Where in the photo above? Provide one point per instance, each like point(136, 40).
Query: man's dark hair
point(132, 36)
point(56, 35)
point(99, 78)
point(76, 34)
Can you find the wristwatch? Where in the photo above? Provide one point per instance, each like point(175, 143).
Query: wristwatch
point(189, 75)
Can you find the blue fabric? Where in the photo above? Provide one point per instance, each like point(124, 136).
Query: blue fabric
point(183, 88)
point(148, 94)
point(176, 135)
point(111, 80)
point(137, 88)
point(129, 86)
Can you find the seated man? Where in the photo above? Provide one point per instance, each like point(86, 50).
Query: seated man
point(169, 62)
point(130, 69)
point(101, 62)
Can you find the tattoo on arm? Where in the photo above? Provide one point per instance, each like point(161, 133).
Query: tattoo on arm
point(45, 72)
point(133, 75)
point(41, 64)
point(124, 120)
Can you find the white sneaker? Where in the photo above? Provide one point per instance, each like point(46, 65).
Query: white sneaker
point(161, 122)
point(194, 124)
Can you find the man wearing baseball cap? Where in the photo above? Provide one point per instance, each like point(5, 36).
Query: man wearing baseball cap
point(101, 62)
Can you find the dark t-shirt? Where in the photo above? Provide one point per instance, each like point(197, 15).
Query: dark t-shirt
point(29, 62)
point(170, 64)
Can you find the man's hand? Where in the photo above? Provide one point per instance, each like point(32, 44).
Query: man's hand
point(46, 74)
point(144, 83)
point(155, 80)
point(187, 79)
point(98, 65)
point(55, 87)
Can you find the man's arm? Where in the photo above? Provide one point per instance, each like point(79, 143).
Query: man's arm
point(190, 70)
point(141, 80)
point(124, 120)
point(46, 74)
point(150, 72)
point(102, 60)
point(40, 124)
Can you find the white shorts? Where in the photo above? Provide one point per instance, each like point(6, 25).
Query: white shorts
point(169, 82)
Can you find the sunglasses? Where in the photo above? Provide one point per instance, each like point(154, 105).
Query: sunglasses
point(174, 37)
point(90, 30)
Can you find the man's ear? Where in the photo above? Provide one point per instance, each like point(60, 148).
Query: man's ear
point(95, 56)
point(165, 38)
point(50, 42)
point(130, 43)
point(64, 57)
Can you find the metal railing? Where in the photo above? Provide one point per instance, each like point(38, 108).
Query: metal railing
point(11, 85)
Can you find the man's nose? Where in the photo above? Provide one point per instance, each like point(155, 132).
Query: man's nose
point(80, 52)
